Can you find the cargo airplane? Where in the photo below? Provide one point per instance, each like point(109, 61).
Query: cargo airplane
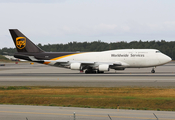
point(90, 62)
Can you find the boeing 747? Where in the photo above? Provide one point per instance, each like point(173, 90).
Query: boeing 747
point(90, 62)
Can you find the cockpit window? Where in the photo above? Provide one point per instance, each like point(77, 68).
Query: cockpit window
point(158, 52)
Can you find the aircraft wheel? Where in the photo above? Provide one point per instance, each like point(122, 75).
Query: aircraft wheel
point(86, 71)
point(90, 71)
point(100, 71)
point(152, 71)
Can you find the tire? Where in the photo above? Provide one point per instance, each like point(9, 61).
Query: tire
point(86, 71)
point(153, 71)
point(100, 71)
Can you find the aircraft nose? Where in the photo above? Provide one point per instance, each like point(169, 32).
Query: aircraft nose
point(167, 59)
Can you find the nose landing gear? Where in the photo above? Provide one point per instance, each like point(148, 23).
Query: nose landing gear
point(153, 71)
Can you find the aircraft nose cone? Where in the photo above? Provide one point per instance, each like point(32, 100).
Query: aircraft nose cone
point(167, 59)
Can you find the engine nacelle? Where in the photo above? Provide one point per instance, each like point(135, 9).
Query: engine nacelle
point(104, 67)
point(75, 66)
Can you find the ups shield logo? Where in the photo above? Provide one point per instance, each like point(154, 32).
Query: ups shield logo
point(20, 42)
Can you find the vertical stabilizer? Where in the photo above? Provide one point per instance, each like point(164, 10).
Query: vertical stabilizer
point(22, 43)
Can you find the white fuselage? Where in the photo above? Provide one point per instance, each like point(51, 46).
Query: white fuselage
point(130, 58)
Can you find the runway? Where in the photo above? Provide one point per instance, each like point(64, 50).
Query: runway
point(24, 74)
point(21, 112)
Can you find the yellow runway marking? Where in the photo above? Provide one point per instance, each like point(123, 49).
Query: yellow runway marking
point(85, 115)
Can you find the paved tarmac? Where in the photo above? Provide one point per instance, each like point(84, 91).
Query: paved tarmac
point(24, 74)
point(22, 112)
point(40, 75)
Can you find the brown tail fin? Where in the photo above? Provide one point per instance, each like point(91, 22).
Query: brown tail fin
point(22, 43)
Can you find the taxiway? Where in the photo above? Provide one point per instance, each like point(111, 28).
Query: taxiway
point(22, 112)
point(24, 74)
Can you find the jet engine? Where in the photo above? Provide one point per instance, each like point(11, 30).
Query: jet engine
point(104, 67)
point(75, 66)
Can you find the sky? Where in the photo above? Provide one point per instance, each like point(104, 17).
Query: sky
point(63, 21)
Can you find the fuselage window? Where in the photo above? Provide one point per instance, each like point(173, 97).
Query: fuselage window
point(158, 52)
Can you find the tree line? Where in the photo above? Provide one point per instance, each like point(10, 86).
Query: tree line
point(165, 47)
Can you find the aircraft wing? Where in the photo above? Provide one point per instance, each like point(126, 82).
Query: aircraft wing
point(90, 63)
point(68, 62)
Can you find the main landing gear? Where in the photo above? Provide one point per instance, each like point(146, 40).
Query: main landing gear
point(91, 71)
point(153, 71)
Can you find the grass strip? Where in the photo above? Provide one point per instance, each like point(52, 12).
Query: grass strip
point(123, 97)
